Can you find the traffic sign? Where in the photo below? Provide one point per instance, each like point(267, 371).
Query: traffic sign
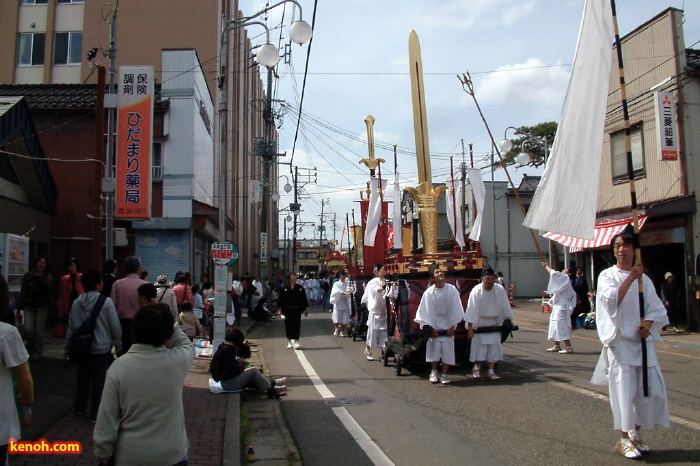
point(225, 253)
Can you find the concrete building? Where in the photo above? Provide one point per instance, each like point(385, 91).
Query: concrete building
point(46, 41)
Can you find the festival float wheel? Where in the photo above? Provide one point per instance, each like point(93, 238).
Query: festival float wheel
point(398, 364)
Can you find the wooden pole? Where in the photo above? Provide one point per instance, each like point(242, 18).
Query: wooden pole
point(633, 193)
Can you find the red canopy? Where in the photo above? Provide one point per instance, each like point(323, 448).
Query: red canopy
point(604, 231)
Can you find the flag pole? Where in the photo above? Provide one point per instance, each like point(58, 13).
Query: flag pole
point(454, 197)
point(633, 192)
point(468, 87)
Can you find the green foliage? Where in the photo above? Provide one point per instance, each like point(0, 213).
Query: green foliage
point(534, 140)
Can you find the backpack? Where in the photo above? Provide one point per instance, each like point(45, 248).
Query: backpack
point(81, 343)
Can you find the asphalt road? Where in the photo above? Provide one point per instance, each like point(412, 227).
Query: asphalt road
point(543, 410)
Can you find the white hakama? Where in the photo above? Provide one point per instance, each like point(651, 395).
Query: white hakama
point(377, 322)
point(486, 309)
point(440, 309)
point(563, 302)
point(620, 362)
point(341, 302)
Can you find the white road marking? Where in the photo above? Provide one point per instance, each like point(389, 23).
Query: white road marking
point(375, 454)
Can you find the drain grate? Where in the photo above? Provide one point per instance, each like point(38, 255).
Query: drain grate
point(352, 400)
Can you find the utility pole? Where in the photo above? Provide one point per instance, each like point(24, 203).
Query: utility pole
point(296, 217)
point(223, 124)
point(111, 130)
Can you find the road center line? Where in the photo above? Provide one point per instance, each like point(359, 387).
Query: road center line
point(375, 454)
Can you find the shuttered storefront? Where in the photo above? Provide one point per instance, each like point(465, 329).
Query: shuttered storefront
point(163, 252)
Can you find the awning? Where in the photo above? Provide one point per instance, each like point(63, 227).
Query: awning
point(604, 231)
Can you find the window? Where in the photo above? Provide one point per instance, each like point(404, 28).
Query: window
point(67, 48)
point(30, 49)
point(157, 162)
point(70, 1)
point(619, 156)
point(34, 2)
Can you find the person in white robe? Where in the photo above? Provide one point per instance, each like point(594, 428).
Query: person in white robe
point(563, 302)
point(488, 306)
point(623, 333)
point(377, 322)
point(340, 299)
point(439, 312)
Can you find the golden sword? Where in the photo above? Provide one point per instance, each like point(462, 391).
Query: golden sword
point(370, 161)
point(425, 196)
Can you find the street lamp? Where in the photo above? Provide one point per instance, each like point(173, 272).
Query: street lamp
point(524, 158)
point(267, 55)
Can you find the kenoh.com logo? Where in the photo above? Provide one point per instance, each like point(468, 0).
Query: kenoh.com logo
point(43, 447)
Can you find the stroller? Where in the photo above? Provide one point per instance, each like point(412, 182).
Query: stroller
point(358, 318)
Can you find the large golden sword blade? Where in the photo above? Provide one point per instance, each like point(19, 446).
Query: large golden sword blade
point(425, 195)
point(371, 162)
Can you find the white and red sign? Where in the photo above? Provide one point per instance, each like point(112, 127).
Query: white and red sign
point(134, 141)
point(666, 125)
point(224, 253)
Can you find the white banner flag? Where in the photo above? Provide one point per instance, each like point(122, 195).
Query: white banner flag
point(398, 224)
point(479, 193)
point(374, 212)
point(454, 211)
point(565, 200)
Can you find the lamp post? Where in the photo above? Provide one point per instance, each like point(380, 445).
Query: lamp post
point(524, 158)
point(267, 55)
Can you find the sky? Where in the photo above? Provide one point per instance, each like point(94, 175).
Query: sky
point(518, 53)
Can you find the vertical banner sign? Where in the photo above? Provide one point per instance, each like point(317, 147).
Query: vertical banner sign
point(263, 247)
point(666, 128)
point(134, 142)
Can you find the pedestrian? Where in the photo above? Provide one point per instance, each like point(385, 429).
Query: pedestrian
point(13, 368)
point(237, 299)
point(499, 279)
point(292, 303)
point(34, 302)
point(583, 303)
point(69, 288)
point(182, 290)
point(189, 322)
point(126, 298)
point(340, 299)
point(198, 304)
point(669, 296)
point(230, 359)
point(620, 362)
point(144, 275)
point(147, 295)
point(141, 418)
point(92, 368)
point(110, 276)
point(374, 298)
point(488, 306)
point(563, 302)
point(165, 294)
point(439, 312)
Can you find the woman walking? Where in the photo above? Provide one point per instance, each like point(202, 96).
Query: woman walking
point(292, 303)
point(34, 300)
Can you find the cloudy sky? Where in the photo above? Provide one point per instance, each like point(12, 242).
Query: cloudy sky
point(518, 53)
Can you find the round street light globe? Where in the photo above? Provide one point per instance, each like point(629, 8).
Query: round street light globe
point(523, 158)
point(287, 188)
point(268, 55)
point(300, 32)
point(275, 197)
point(289, 218)
point(506, 145)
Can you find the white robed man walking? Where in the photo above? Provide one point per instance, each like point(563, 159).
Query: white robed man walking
point(488, 306)
point(563, 302)
point(622, 334)
point(340, 299)
point(439, 312)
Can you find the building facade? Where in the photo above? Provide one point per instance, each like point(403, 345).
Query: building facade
point(45, 42)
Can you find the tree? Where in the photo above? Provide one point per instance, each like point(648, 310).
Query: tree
point(533, 140)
